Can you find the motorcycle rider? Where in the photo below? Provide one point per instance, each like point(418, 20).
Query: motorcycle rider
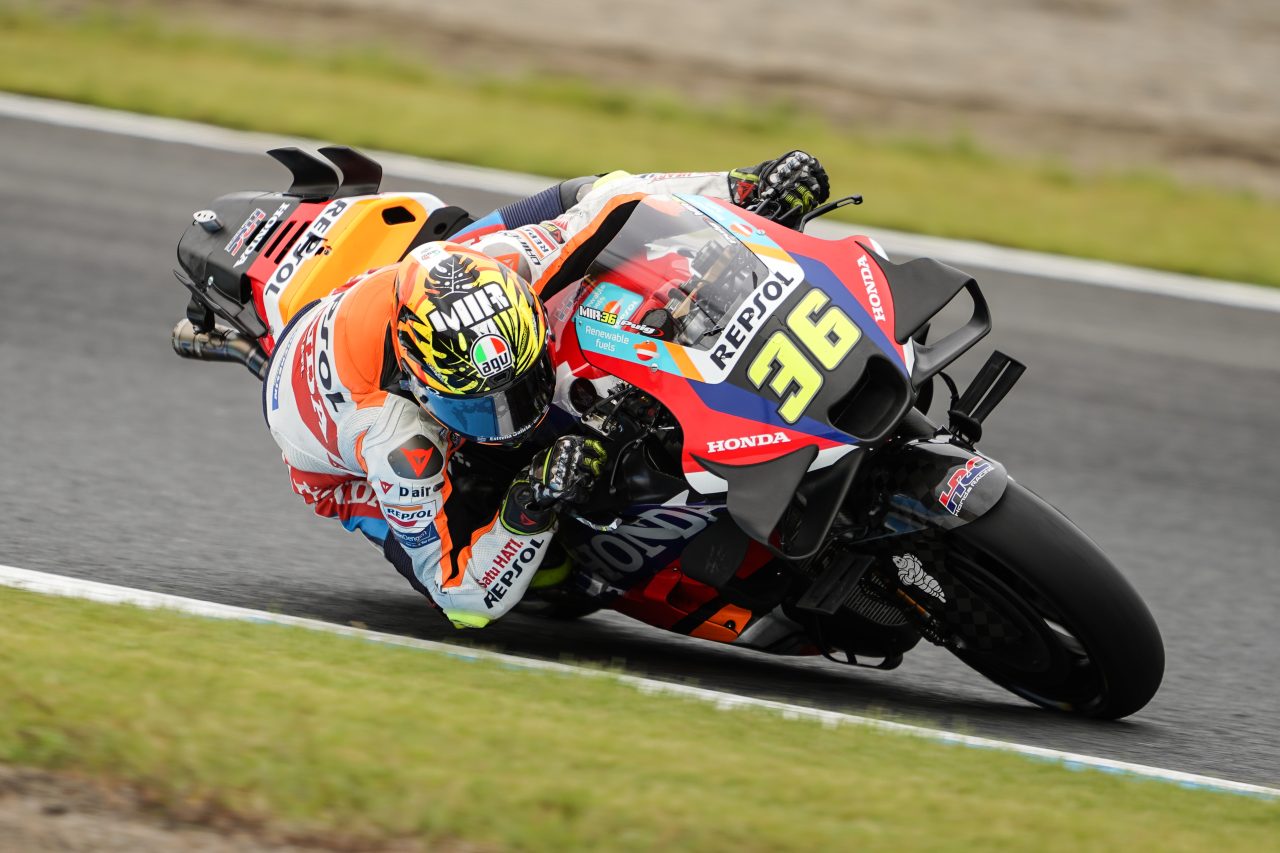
point(371, 390)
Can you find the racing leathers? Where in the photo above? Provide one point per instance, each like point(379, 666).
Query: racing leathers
point(362, 451)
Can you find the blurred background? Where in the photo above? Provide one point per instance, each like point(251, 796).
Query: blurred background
point(1145, 132)
point(1177, 85)
point(1099, 128)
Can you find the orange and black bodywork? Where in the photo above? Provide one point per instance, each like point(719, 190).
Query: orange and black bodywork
point(253, 259)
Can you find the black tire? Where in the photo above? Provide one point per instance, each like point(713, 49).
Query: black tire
point(1101, 654)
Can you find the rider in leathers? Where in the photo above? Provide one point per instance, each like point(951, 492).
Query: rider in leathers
point(372, 389)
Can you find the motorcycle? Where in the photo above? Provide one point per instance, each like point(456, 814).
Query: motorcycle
point(774, 481)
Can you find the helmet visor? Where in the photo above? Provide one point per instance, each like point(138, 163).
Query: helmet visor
point(498, 416)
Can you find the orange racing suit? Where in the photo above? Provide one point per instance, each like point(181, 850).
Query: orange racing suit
point(360, 451)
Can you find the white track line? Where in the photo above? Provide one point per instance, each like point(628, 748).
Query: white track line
point(51, 584)
point(960, 252)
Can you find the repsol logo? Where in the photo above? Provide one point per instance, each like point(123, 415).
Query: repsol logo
point(510, 564)
point(873, 295)
point(749, 319)
point(409, 515)
point(762, 440)
point(470, 309)
point(307, 246)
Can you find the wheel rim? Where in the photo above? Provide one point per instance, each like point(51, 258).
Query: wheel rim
point(1068, 678)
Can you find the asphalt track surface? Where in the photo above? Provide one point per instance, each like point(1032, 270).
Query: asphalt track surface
point(1148, 420)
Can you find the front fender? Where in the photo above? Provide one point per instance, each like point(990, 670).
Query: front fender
point(932, 483)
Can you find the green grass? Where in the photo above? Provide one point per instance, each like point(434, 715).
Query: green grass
point(365, 96)
point(322, 734)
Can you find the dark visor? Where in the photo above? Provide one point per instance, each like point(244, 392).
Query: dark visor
point(498, 416)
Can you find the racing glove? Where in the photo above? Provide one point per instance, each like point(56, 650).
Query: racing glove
point(564, 473)
point(783, 189)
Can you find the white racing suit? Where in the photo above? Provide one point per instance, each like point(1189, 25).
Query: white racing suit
point(360, 451)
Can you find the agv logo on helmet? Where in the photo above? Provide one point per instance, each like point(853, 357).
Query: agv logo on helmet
point(472, 338)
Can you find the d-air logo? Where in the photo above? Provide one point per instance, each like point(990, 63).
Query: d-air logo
point(491, 355)
point(911, 572)
point(246, 228)
point(962, 483)
point(417, 493)
point(749, 317)
point(515, 561)
point(762, 440)
point(470, 309)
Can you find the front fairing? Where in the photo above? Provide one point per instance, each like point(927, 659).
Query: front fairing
point(762, 342)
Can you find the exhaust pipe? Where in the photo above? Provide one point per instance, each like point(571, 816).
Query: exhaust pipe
point(219, 345)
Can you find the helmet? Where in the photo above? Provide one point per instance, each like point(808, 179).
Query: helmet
point(471, 339)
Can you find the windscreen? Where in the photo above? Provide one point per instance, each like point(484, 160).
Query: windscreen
point(691, 272)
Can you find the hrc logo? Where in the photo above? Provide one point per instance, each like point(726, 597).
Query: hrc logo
point(962, 483)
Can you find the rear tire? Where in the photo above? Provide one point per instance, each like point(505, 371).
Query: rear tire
point(1102, 655)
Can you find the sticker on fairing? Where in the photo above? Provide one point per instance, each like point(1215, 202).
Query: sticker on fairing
point(603, 323)
point(911, 573)
point(246, 228)
point(962, 482)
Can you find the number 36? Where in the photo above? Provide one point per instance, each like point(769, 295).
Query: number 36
point(825, 331)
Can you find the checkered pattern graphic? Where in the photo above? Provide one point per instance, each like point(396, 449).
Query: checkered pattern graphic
point(966, 614)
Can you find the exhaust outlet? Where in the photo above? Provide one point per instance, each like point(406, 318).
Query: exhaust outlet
point(219, 345)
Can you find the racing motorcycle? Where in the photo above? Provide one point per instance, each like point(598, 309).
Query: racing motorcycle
point(773, 479)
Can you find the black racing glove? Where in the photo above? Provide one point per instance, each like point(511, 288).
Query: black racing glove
point(784, 189)
point(564, 473)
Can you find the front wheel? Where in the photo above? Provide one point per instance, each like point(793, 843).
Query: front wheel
point(1085, 642)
